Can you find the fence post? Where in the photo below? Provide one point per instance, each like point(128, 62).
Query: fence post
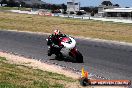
point(82, 17)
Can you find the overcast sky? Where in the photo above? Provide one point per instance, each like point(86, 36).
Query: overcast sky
point(122, 3)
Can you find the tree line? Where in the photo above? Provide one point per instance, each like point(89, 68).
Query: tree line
point(13, 3)
point(10, 3)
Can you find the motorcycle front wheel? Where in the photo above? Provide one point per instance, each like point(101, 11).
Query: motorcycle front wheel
point(77, 57)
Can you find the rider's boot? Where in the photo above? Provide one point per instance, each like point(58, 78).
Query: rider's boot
point(49, 52)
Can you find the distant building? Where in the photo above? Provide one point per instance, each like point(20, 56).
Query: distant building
point(118, 12)
point(101, 8)
point(109, 5)
point(73, 6)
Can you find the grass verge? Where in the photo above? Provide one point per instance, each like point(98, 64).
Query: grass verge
point(86, 28)
point(15, 8)
point(20, 76)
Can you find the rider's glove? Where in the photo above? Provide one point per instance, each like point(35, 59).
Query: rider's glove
point(56, 46)
point(61, 46)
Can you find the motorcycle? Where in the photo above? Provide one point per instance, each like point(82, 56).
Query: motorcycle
point(68, 49)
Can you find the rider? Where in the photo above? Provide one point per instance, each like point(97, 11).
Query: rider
point(54, 40)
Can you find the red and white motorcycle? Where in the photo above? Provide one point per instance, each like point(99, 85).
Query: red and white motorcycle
point(68, 50)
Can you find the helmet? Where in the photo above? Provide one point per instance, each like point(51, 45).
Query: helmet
point(57, 32)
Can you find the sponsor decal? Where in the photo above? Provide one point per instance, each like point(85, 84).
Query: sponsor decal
point(85, 81)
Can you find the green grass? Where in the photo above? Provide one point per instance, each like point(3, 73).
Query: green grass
point(20, 76)
point(15, 8)
point(75, 27)
point(2, 59)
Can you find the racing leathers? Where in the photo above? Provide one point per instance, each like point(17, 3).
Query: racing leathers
point(53, 42)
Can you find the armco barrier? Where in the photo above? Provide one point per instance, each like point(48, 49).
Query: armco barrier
point(87, 17)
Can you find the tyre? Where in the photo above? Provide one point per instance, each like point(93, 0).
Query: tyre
point(79, 57)
point(58, 56)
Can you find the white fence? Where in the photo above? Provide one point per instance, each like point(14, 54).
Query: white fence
point(83, 17)
point(87, 17)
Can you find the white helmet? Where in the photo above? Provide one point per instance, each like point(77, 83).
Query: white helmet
point(57, 32)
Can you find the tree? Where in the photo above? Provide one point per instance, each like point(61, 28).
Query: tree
point(79, 13)
point(23, 4)
point(63, 6)
point(107, 3)
point(87, 9)
point(92, 13)
point(35, 5)
point(95, 10)
point(54, 7)
point(71, 12)
point(12, 3)
point(44, 6)
point(117, 5)
point(3, 2)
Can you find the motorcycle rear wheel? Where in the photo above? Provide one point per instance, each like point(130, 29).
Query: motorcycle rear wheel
point(58, 56)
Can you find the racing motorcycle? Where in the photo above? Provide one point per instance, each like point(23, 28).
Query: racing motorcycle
point(68, 49)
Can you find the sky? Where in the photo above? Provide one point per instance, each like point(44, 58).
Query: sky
point(122, 3)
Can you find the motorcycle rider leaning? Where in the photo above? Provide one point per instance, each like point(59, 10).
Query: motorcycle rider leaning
point(54, 40)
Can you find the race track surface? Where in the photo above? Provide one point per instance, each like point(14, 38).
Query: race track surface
point(109, 62)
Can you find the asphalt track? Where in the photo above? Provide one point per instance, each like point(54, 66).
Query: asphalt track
point(106, 60)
